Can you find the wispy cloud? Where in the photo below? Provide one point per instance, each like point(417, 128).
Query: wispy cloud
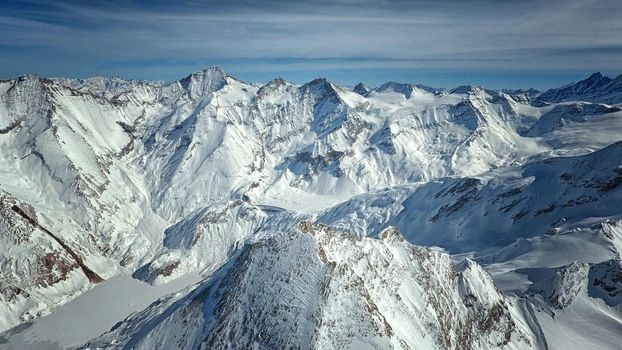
point(163, 40)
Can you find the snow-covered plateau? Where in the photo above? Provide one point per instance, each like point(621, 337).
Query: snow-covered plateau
point(208, 213)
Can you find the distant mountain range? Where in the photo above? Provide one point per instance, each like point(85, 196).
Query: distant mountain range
point(596, 88)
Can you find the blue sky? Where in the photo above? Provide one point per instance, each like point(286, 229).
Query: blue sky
point(495, 43)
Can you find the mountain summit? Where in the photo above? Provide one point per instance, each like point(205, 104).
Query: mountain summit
point(596, 88)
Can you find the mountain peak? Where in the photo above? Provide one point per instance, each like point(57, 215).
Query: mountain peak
point(319, 85)
point(361, 89)
point(26, 77)
point(318, 81)
point(211, 71)
point(406, 89)
point(272, 85)
point(277, 82)
point(204, 81)
point(392, 86)
point(463, 89)
point(595, 76)
point(595, 88)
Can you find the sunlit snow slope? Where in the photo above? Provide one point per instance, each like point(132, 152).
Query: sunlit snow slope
point(317, 216)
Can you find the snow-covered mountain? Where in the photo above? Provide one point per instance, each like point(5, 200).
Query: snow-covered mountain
point(283, 198)
point(311, 287)
point(596, 88)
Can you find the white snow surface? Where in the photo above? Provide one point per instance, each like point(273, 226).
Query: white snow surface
point(304, 211)
point(91, 314)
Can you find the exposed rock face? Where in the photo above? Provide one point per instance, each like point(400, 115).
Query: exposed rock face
point(559, 287)
point(605, 281)
point(33, 264)
point(361, 89)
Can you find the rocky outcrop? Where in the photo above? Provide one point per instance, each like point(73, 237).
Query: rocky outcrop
point(316, 288)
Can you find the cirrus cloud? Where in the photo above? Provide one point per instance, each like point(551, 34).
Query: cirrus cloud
point(349, 39)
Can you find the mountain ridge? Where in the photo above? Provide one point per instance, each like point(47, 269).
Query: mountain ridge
point(161, 180)
point(594, 82)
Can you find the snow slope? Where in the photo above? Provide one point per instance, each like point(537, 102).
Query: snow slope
point(304, 288)
point(105, 177)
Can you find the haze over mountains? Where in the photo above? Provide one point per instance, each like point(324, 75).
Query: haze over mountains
point(311, 216)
